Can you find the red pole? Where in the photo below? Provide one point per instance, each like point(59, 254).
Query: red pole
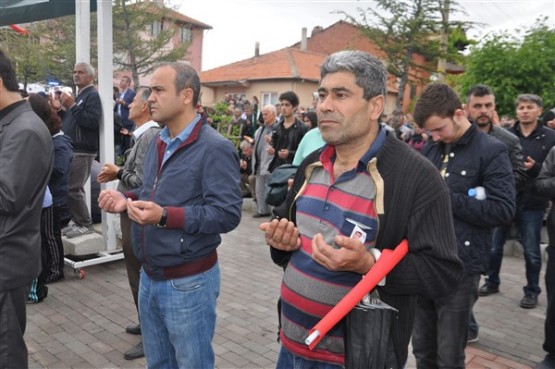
point(385, 263)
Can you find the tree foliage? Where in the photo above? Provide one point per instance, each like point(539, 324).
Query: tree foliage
point(58, 46)
point(134, 47)
point(49, 48)
point(47, 51)
point(22, 50)
point(514, 64)
point(402, 29)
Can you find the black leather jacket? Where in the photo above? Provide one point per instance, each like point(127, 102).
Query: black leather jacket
point(537, 146)
point(286, 139)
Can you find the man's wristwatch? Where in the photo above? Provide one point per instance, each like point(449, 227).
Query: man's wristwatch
point(163, 219)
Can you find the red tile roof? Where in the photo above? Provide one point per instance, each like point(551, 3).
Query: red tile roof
point(288, 63)
point(185, 19)
point(341, 36)
point(292, 63)
point(175, 15)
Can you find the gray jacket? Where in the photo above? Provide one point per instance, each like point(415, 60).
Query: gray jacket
point(132, 176)
point(26, 157)
point(260, 158)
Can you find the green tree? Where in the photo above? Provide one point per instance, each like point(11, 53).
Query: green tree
point(134, 47)
point(514, 64)
point(26, 55)
point(403, 29)
point(48, 50)
point(141, 36)
point(58, 47)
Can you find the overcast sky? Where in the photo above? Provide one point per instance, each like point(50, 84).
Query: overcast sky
point(238, 24)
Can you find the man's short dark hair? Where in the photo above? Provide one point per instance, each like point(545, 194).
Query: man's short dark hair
point(529, 98)
point(7, 73)
point(478, 91)
point(186, 77)
point(437, 99)
point(291, 97)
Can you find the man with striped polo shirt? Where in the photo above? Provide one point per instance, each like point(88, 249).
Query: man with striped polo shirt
point(364, 182)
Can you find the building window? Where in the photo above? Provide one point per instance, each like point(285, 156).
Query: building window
point(269, 98)
point(156, 28)
point(185, 35)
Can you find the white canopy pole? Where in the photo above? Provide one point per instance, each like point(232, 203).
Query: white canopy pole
point(105, 87)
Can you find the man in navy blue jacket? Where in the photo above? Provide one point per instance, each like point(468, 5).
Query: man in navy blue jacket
point(82, 125)
point(190, 195)
point(467, 158)
point(123, 101)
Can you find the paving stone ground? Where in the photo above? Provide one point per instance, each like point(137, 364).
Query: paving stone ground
point(81, 324)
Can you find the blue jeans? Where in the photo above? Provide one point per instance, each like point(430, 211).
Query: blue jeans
point(287, 360)
point(178, 319)
point(530, 225)
point(549, 342)
point(440, 328)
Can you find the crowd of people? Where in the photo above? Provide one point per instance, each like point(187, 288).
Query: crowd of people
point(354, 175)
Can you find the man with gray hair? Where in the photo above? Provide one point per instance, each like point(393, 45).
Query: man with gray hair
point(81, 124)
point(261, 159)
point(364, 182)
point(536, 141)
point(131, 177)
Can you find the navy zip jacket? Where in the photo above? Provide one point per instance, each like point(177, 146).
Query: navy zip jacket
point(477, 159)
point(82, 121)
point(199, 186)
point(59, 180)
point(536, 146)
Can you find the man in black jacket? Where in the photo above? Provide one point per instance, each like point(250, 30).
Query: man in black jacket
point(467, 159)
point(364, 177)
point(545, 186)
point(81, 124)
point(480, 109)
point(288, 133)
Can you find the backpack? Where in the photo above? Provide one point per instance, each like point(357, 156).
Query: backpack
point(276, 188)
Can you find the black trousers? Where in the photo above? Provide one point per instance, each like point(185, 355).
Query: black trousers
point(13, 319)
point(440, 328)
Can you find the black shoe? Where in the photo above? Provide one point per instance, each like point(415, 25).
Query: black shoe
point(135, 352)
point(258, 215)
point(133, 329)
point(529, 302)
point(547, 363)
point(488, 289)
